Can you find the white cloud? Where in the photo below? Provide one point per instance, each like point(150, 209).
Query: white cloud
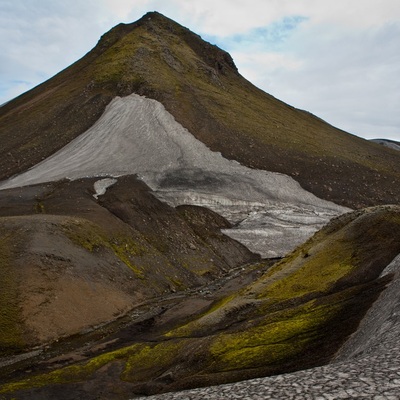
point(38, 40)
point(121, 8)
point(227, 17)
point(257, 66)
point(347, 77)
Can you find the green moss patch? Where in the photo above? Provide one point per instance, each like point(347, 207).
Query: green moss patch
point(352, 248)
point(73, 373)
point(316, 274)
point(191, 327)
point(90, 236)
point(278, 338)
point(151, 360)
point(141, 361)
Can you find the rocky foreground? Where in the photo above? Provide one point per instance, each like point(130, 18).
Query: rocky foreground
point(367, 367)
point(376, 377)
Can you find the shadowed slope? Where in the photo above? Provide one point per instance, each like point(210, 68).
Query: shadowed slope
point(198, 84)
point(70, 262)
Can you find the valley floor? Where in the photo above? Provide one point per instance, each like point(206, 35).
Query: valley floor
point(145, 317)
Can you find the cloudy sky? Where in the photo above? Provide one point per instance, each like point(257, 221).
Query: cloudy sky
point(339, 59)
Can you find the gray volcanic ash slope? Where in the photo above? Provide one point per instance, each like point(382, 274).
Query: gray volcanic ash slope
point(137, 135)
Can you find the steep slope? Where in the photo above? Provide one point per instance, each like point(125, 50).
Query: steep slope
point(201, 87)
point(295, 316)
point(70, 262)
point(366, 366)
point(378, 332)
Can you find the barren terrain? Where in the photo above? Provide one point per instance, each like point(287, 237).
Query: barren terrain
point(271, 212)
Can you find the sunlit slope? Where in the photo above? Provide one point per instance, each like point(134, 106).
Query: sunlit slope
point(201, 87)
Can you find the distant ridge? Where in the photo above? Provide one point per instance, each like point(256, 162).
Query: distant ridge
point(392, 144)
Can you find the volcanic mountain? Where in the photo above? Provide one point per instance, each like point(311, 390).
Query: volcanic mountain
point(201, 87)
point(156, 221)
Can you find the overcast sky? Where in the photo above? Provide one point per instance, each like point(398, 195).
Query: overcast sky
point(339, 59)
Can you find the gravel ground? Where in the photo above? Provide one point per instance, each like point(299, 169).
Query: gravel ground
point(373, 377)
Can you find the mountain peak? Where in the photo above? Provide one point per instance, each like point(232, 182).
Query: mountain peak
point(156, 15)
point(162, 37)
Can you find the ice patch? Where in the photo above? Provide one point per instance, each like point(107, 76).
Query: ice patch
point(136, 135)
point(101, 186)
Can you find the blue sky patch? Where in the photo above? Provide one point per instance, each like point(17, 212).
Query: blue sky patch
point(270, 37)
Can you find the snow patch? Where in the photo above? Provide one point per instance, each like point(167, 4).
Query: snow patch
point(101, 186)
point(136, 135)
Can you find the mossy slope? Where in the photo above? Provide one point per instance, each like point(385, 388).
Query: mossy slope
point(295, 316)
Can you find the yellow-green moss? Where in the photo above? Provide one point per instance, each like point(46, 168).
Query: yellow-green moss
point(124, 249)
point(39, 207)
point(176, 282)
point(73, 373)
point(91, 237)
point(339, 249)
point(150, 359)
point(84, 233)
point(313, 276)
point(116, 63)
point(189, 328)
point(310, 269)
point(139, 360)
point(278, 338)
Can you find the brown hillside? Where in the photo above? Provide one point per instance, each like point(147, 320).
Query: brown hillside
point(69, 262)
